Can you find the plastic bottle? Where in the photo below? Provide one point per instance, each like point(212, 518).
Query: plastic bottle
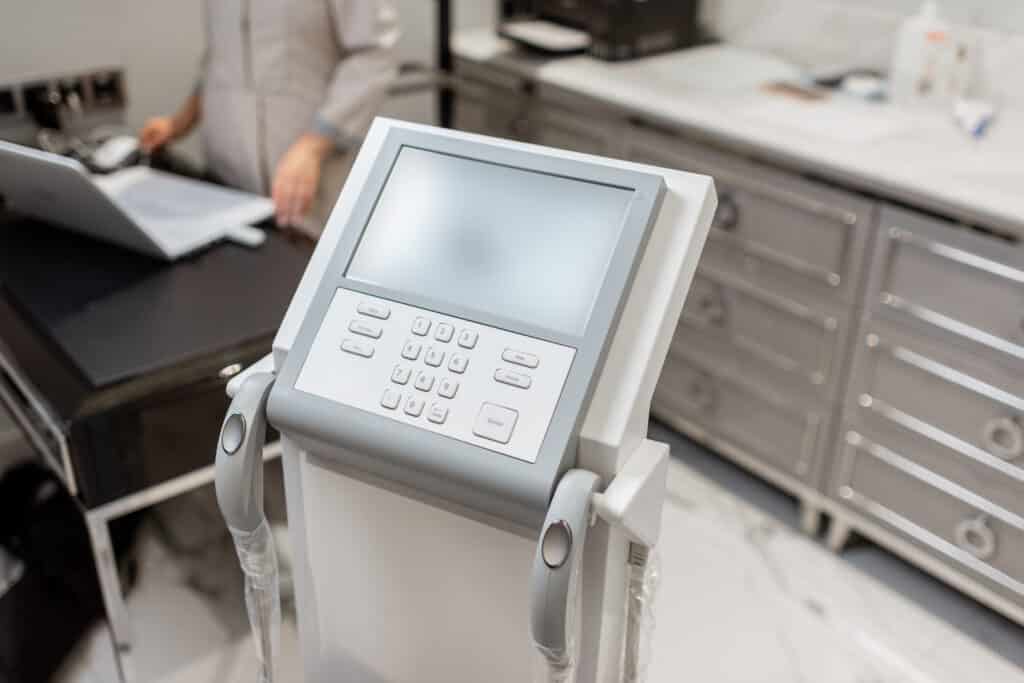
point(923, 60)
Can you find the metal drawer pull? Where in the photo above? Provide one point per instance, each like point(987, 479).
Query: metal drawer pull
point(728, 215)
point(1003, 437)
point(976, 537)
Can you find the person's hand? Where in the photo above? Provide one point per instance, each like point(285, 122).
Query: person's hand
point(297, 177)
point(156, 133)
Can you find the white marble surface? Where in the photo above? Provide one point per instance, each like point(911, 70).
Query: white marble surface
point(917, 157)
point(742, 599)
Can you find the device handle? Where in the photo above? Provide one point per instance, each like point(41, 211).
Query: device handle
point(557, 565)
point(238, 471)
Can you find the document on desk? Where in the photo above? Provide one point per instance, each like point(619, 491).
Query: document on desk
point(843, 121)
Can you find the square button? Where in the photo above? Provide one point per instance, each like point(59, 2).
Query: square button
point(434, 357)
point(421, 326)
point(437, 413)
point(391, 399)
point(467, 339)
point(495, 423)
point(424, 381)
point(448, 388)
point(412, 350)
point(414, 406)
point(458, 363)
point(444, 332)
point(400, 375)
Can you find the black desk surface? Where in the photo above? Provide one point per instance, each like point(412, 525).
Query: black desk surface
point(100, 316)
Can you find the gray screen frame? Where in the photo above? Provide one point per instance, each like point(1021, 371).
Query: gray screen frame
point(457, 471)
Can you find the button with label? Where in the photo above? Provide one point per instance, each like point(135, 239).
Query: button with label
point(391, 399)
point(424, 381)
point(495, 423)
point(400, 375)
point(414, 406)
point(365, 329)
point(458, 363)
point(434, 357)
point(412, 350)
point(448, 388)
point(421, 326)
point(527, 360)
point(374, 309)
point(467, 339)
point(513, 378)
point(444, 332)
point(437, 413)
point(357, 348)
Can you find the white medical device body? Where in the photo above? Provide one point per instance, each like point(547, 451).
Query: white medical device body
point(463, 374)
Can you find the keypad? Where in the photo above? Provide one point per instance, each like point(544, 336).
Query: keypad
point(391, 399)
point(437, 413)
point(421, 326)
point(467, 339)
point(434, 357)
point(448, 388)
point(401, 374)
point(444, 332)
point(458, 363)
point(412, 350)
point(424, 381)
point(414, 406)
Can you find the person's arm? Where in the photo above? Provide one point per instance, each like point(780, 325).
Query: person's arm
point(161, 130)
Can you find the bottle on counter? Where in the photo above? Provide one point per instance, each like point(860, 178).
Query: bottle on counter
point(927, 63)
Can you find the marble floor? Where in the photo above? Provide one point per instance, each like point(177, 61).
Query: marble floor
point(742, 597)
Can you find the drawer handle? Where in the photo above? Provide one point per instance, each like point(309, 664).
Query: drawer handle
point(728, 215)
point(711, 310)
point(976, 537)
point(1004, 438)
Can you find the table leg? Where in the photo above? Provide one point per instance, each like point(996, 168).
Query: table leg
point(113, 598)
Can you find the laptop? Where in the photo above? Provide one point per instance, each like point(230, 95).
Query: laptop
point(163, 215)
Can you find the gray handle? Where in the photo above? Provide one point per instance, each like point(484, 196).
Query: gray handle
point(558, 558)
point(238, 473)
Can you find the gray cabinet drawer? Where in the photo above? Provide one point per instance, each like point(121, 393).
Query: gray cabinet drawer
point(934, 512)
point(762, 424)
point(772, 227)
point(556, 127)
point(785, 336)
point(968, 285)
point(491, 111)
point(948, 398)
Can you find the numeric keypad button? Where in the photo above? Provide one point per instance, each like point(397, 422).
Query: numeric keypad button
point(414, 406)
point(391, 399)
point(434, 357)
point(448, 388)
point(437, 413)
point(458, 363)
point(421, 326)
point(412, 350)
point(467, 339)
point(424, 381)
point(444, 332)
point(400, 375)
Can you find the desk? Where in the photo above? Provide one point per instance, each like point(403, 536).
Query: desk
point(114, 365)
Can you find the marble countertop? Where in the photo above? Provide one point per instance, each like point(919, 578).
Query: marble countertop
point(918, 158)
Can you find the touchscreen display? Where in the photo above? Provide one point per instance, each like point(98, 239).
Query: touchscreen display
point(524, 245)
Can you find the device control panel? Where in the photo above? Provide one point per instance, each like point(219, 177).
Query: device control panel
point(481, 385)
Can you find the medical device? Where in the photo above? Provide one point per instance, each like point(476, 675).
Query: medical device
point(461, 385)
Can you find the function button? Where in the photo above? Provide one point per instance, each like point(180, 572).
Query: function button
point(424, 381)
point(366, 329)
point(444, 332)
point(467, 339)
point(400, 375)
point(412, 349)
point(513, 378)
point(414, 406)
point(527, 360)
point(374, 309)
point(357, 348)
point(448, 388)
point(437, 413)
point(458, 363)
point(421, 326)
point(434, 357)
point(495, 423)
point(391, 399)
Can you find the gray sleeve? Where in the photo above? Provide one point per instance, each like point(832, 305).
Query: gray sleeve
point(367, 32)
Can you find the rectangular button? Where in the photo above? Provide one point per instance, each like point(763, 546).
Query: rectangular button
point(434, 357)
point(448, 388)
point(467, 339)
point(400, 375)
point(391, 399)
point(414, 406)
point(365, 329)
point(444, 332)
point(357, 348)
point(527, 360)
point(458, 363)
point(513, 378)
point(412, 350)
point(420, 326)
point(495, 423)
point(437, 413)
point(424, 381)
point(374, 309)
